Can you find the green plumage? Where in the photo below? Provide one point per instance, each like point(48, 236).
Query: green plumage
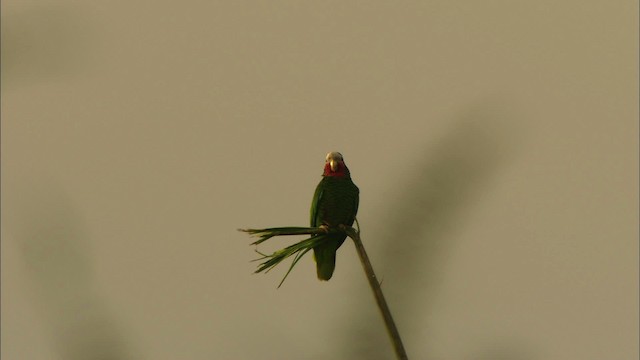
point(335, 203)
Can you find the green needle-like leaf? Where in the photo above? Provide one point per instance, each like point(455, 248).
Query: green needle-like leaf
point(298, 249)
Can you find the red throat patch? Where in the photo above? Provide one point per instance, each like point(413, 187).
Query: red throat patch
point(340, 171)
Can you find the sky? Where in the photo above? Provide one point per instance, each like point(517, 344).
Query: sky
point(495, 145)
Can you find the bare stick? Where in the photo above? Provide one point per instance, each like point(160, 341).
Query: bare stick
point(377, 292)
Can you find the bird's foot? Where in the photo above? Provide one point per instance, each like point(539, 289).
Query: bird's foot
point(348, 230)
point(324, 228)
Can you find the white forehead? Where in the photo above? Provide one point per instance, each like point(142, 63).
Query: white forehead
point(335, 156)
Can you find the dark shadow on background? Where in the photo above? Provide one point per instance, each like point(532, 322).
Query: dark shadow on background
point(418, 224)
point(53, 246)
point(44, 43)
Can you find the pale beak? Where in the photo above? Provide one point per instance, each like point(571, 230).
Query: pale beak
point(334, 164)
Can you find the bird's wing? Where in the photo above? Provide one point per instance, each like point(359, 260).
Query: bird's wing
point(357, 202)
point(315, 202)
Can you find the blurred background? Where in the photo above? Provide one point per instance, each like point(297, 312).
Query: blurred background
point(495, 145)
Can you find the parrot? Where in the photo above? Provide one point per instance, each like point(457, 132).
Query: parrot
point(335, 203)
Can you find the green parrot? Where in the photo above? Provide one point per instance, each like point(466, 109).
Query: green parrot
point(335, 203)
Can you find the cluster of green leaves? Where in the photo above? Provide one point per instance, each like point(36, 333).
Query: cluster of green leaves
point(299, 249)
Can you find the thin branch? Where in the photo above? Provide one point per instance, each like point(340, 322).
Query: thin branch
point(377, 292)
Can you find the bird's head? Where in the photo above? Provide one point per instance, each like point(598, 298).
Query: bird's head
point(335, 166)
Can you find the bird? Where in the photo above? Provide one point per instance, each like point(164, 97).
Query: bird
point(335, 203)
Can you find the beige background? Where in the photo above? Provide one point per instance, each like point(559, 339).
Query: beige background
point(494, 143)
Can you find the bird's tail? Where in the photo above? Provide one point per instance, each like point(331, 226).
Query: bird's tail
point(325, 256)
